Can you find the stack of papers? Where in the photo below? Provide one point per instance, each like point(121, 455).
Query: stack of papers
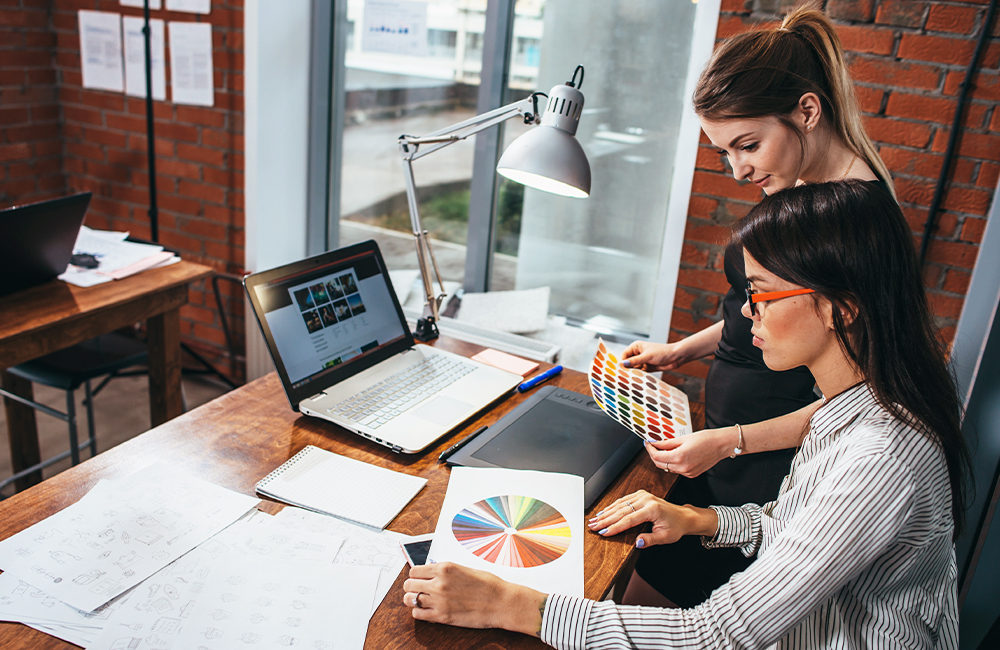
point(176, 562)
point(116, 257)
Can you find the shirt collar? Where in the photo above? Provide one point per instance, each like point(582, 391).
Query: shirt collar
point(841, 409)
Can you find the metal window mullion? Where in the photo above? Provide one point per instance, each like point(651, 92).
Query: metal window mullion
point(483, 189)
point(318, 186)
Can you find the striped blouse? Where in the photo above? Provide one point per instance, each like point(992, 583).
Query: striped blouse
point(856, 552)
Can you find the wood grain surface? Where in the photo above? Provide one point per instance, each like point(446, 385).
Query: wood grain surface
point(239, 438)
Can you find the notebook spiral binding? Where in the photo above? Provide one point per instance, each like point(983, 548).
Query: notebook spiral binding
point(284, 466)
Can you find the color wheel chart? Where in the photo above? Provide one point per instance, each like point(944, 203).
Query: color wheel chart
point(513, 531)
point(649, 407)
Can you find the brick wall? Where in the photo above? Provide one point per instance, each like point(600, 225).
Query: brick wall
point(30, 138)
point(908, 58)
point(102, 145)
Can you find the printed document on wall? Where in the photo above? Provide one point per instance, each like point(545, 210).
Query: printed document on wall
point(101, 50)
point(191, 63)
point(395, 27)
point(135, 57)
point(153, 4)
point(190, 6)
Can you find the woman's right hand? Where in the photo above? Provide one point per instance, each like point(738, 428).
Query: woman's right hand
point(653, 357)
point(693, 454)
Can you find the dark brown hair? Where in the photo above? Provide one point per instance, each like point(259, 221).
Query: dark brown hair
point(849, 242)
point(766, 72)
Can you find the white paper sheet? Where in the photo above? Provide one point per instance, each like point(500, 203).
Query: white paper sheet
point(507, 311)
point(135, 57)
point(395, 27)
point(536, 540)
point(191, 6)
point(191, 71)
point(160, 606)
point(153, 4)
point(281, 603)
point(101, 50)
point(119, 534)
point(364, 546)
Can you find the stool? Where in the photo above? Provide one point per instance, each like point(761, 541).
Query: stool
point(66, 370)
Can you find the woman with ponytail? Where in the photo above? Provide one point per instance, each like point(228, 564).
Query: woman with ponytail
point(857, 548)
point(780, 105)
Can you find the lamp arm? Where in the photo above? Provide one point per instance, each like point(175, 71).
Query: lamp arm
point(462, 130)
point(410, 150)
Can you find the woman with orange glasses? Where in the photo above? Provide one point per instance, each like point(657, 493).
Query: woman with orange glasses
point(780, 105)
point(857, 550)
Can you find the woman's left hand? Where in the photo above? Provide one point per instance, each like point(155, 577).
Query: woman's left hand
point(670, 521)
point(457, 595)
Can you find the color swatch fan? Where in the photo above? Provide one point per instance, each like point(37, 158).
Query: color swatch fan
point(649, 407)
point(513, 531)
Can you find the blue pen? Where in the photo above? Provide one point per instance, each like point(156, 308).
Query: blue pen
point(537, 379)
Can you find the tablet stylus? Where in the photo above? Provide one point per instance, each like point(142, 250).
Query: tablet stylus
point(447, 453)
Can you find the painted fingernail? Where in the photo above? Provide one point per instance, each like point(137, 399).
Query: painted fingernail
point(639, 543)
point(598, 514)
point(627, 363)
point(602, 532)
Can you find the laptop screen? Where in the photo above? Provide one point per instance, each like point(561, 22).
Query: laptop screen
point(327, 317)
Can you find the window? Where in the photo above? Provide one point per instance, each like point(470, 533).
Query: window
point(611, 259)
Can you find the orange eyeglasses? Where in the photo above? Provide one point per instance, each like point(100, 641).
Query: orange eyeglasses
point(754, 298)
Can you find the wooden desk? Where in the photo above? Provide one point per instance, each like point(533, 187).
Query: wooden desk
point(57, 315)
point(239, 438)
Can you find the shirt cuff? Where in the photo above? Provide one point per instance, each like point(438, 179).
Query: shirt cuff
point(738, 527)
point(564, 622)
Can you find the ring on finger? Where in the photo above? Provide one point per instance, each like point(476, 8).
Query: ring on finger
point(416, 600)
point(629, 504)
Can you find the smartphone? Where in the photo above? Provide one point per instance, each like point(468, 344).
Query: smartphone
point(417, 549)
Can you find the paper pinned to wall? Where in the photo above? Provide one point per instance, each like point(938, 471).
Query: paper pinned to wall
point(395, 27)
point(135, 57)
point(153, 4)
point(191, 70)
point(101, 50)
point(190, 6)
point(523, 526)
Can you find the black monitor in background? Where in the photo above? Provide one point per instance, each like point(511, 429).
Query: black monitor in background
point(36, 240)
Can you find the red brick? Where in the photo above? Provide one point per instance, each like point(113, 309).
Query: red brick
point(201, 116)
point(687, 322)
point(201, 154)
point(892, 131)
point(951, 18)
point(83, 115)
point(225, 177)
point(202, 191)
point(944, 306)
point(866, 39)
point(161, 110)
point(699, 206)
point(39, 77)
point(709, 159)
point(183, 206)
point(223, 214)
point(912, 76)
point(27, 133)
point(199, 314)
point(956, 281)
point(124, 122)
point(869, 99)
point(707, 233)
point(693, 255)
point(939, 49)
point(703, 279)
point(179, 169)
point(952, 254)
point(984, 86)
point(102, 99)
point(697, 368)
point(932, 109)
point(85, 150)
point(178, 241)
point(989, 175)
point(972, 230)
point(724, 186)
point(129, 194)
point(205, 229)
point(103, 136)
point(973, 145)
point(211, 334)
point(858, 10)
point(133, 159)
point(914, 163)
point(221, 139)
point(995, 122)
point(181, 132)
point(223, 252)
point(10, 116)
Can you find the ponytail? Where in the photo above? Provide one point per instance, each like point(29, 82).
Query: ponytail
point(766, 72)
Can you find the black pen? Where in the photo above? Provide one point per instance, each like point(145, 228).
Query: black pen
point(447, 453)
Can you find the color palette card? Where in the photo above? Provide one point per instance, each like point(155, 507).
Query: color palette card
point(647, 406)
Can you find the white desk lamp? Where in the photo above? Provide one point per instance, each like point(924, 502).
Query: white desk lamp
point(548, 158)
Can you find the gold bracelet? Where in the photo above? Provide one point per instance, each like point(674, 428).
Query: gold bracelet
point(739, 447)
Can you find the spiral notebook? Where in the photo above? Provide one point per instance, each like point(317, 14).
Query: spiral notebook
point(324, 482)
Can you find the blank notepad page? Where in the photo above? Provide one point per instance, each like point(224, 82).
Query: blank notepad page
point(325, 482)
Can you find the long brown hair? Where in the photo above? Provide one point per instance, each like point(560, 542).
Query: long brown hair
point(766, 72)
point(848, 240)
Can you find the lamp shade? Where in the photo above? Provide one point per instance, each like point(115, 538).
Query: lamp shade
point(549, 157)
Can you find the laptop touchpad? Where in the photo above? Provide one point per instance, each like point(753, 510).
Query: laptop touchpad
point(442, 410)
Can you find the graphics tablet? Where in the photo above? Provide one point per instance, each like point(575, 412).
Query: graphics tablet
point(556, 430)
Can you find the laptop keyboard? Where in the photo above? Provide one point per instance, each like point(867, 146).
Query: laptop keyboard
point(389, 398)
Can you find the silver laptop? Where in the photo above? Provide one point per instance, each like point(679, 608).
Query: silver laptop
point(344, 352)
